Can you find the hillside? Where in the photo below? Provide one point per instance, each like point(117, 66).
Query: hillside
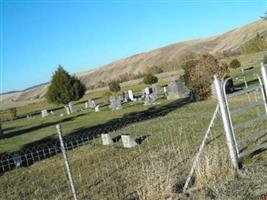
point(227, 43)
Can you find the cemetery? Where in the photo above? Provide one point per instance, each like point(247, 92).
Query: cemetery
point(113, 139)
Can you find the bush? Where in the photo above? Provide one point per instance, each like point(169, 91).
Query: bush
point(264, 59)
point(150, 79)
point(13, 113)
point(234, 64)
point(199, 71)
point(114, 86)
point(64, 88)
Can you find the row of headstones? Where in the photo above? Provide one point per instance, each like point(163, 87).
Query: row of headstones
point(174, 90)
point(127, 141)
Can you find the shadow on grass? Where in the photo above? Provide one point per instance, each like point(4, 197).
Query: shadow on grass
point(34, 128)
point(49, 146)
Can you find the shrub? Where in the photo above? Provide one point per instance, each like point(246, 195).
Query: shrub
point(234, 64)
point(13, 113)
point(114, 86)
point(199, 71)
point(150, 79)
point(264, 60)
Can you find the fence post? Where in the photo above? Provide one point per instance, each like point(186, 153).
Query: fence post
point(226, 122)
point(264, 78)
point(66, 162)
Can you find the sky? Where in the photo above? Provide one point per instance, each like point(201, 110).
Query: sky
point(38, 35)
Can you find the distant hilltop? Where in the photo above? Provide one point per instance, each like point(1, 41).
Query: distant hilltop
point(226, 44)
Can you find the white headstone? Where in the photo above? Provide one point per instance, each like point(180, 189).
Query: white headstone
point(106, 139)
point(61, 114)
point(86, 105)
point(44, 113)
point(147, 91)
point(97, 108)
point(131, 96)
point(127, 141)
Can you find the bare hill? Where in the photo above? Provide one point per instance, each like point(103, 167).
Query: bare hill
point(227, 43)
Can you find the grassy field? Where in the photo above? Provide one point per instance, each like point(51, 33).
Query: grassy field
point(169, 134)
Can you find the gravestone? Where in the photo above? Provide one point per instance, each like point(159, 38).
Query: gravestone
point(71, 107)
point(155, 90)
point(97, 108)
point(127, 141)
point(17, 160)
point(86, 105)
point(51, 112)
point(115, 103)
point(131, 96)
point(125, 97)
point(147, 91)
point(92, 104)
point(176, 88)
point(61, 114)
point(106, 139)
point(44, 113)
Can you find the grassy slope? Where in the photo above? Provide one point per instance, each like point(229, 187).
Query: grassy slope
point(113, 173)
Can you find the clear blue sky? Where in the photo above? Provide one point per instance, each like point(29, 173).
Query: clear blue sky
point(36, 36)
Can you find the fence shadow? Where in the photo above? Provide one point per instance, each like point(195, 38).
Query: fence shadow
point(49, 146)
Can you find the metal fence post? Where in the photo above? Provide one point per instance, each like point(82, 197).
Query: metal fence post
point(226, 122)
point(66, 162)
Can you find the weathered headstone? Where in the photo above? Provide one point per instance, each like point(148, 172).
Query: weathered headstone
point(71, 107)
point(106, 139)
point(131, 96)
point(125, 97)
point(127, 141)
point(97, 108)
point(155, 90)
point(92, 104)
point(176, 88)
point(86, 105)
point(17, 160)
point(115, 103)
point(44, 113)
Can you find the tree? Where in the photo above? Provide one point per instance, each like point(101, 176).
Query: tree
point(114, 86)
point(64, 88)
point(234, 64)
point(264, 60)
point(199, 71)
point(150, 79)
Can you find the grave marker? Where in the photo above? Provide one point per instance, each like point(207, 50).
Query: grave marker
point(97, 108)
point(176, 88)
point(128, 142)
point(115, 103)
point(131, 96)
point(106, 139)
point(44, 113)
point(17, 160)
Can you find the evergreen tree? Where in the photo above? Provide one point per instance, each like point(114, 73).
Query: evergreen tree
point(64, 88)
